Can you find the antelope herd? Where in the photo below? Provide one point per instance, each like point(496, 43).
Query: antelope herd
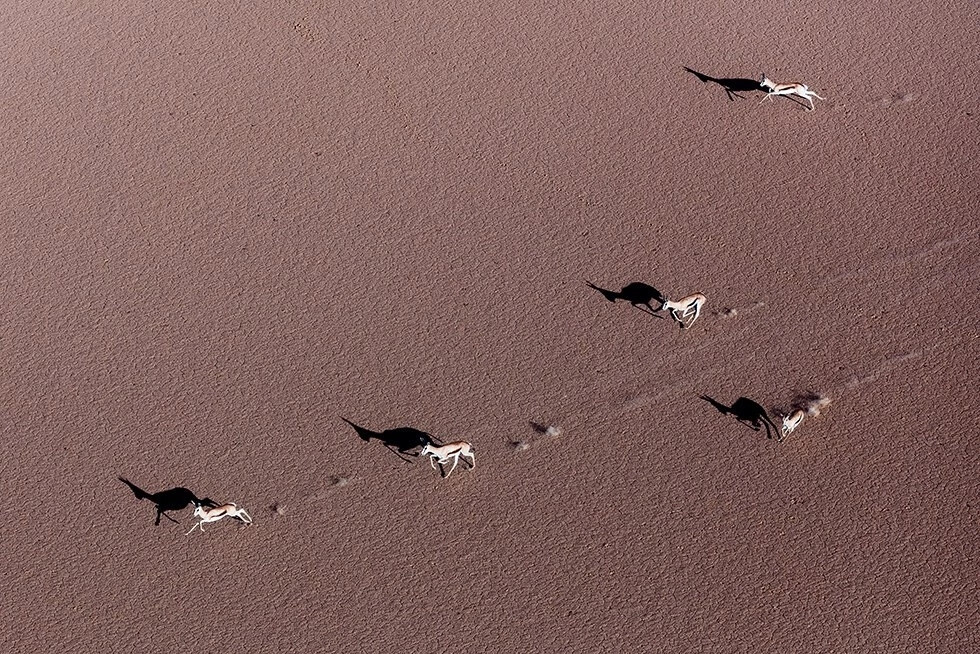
point(684, 311)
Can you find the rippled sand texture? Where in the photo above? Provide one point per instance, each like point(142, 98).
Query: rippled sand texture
point(228, 227)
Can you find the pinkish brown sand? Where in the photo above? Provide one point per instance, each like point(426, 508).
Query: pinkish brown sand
point(226, 227)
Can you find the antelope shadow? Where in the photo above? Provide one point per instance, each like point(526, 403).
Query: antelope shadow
point(748, 412)
point(172, 499)
point(637, 294)
point(401, 441)
point(732, 85)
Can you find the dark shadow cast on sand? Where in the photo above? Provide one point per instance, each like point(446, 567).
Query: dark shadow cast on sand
point(401, 441)
point(732, 85)
point(638, 294)
point(172, 499)
point(748, 412)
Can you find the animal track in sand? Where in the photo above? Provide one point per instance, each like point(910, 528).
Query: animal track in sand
point(734, 312)
point(549, 431)
point(306, 32)
point(871, 268)
point(889, 363)
point(333, 482)
point(938, 246)
point(640, 400)
point(897, 99)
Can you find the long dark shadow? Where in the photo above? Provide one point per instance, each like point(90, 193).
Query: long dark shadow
point(748, 412)
point(172, 499)
point(638, 294)
point(732, 85)
point(401, 441)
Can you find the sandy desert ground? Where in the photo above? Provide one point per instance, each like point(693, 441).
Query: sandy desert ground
point(226, 227)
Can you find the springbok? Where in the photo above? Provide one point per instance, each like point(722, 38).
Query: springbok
point(809, 405)
point(213, 514)
point(443, 453)
point(790, 88)
point(791, 422)
point(685, 307)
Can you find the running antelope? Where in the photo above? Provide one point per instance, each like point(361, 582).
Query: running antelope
point(213, 514)
point(688, 306)
point(443, 453)
point(791, 422)
point(791, 88)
